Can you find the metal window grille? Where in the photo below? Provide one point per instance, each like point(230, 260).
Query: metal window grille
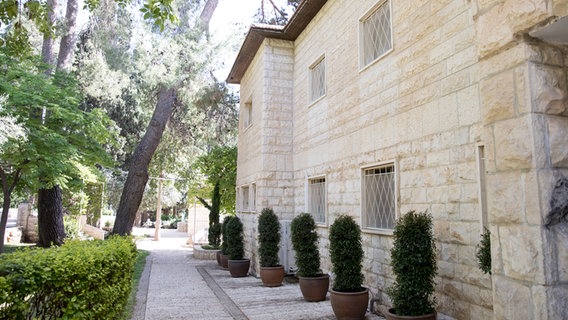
point(379, 197)
point(245, 206)
point(317, 80)
point(316, 199)
point(253, 198)
point(376, 34)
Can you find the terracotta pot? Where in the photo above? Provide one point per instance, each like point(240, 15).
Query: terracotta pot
point(390, 315)
point(224, 261)
point(314, 289)
point(239, 268)
point(349, 305)
point(272, 276)
point(218, 256)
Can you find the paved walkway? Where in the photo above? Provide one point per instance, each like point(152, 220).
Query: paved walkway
point(174, 285)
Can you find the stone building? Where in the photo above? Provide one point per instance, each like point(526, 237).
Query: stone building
point(373, 108)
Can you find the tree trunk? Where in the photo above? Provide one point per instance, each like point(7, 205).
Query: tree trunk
point(47, 48)
point(138, 171)
point(50, 217)
point(207, 13)
point(7, 200)
point(67, 45)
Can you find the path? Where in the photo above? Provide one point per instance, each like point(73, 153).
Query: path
point(174, 285)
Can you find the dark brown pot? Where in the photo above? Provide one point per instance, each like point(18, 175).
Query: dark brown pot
point(390, 315)
point(272, 276)
point(224, 261)
point(349, 305)
point(239, 268)
point(218, 256)
point(314, 289)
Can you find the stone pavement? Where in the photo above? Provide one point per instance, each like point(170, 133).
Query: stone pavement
point(174, 285)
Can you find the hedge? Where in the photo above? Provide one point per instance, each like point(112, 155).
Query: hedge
point(78, 280)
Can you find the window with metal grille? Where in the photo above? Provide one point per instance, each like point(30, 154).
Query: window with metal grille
point(247, 115)
point(379, 197)
point(253, 198)
point(317, 80)
point(316, 203)
point(245, 198)
point(375, 33)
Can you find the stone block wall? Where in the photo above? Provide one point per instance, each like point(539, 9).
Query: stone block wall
point(470, 109)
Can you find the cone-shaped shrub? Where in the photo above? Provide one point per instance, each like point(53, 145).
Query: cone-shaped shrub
point(269, 238)
point(224, 233)
point(235, 245)
point(346, 253)
point(414, 265)
point(305, 243)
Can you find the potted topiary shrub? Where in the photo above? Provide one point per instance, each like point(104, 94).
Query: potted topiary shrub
point(413, 259)
point(238, 265)
point(313, 284)
point(271, 271)
point(223, 256)
point(349, 299)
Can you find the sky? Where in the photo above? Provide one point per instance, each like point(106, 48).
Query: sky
point(233, 16)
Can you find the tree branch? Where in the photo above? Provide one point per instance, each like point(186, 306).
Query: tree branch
point(207, 205)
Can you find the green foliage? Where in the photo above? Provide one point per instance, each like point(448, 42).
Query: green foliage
point(71, 225)
point(483, 252)
point(346, 253)
point(414, 265)
point(268, 238)
point(305, 243)
point(62, 150)
point(235, 245)
point(78, 280)
point(224, 239)
point(214, 233)
point(220, 167)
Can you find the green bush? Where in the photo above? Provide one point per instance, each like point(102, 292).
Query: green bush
point(305, 243)
point(483, 252)
point(78, 280)
point(269, 238)
point(414, 265)
point(346, 253)
point(224, 233)
point(235, 245)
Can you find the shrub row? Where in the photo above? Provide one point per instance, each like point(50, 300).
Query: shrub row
point(78, 280)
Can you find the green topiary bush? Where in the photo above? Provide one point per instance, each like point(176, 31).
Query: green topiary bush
point(346, 253)
point(483, 252)
point(414, 265)
point(268, 238)
point(235, 245)
point(305, 243)
point(224, 225)
point(78, 280)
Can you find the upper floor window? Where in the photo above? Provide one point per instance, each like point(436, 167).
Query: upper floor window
point(316, 204)
point(317, 80)
point(253, 197)
point(375, 33)
point(247, 115)
point(379, 197)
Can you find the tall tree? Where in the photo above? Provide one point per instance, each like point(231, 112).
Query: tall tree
point(51, 153)
point(167, 97)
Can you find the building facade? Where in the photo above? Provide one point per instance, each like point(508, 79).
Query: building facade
point(372, 108)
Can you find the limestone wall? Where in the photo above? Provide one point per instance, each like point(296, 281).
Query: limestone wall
point(473, 113)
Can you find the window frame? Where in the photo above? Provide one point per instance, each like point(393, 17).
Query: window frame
point(307, 199)
point(362, 20)
point(364, 226)
point(319, 61)
point(247, 115)
point(245, 197)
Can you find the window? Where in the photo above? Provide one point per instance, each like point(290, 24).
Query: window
point(247, 115)
point(317, 80)
point(378, 187)
point(316, 203)
point(375, 33)
point(239, 199)
point(253, 198)
point(245, 205)
point(481, 183)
